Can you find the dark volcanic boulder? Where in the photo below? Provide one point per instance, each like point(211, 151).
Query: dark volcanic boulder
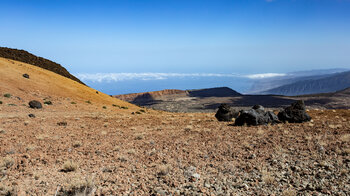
point(226, 113)
point(35, 104)
point(256, 116)
point(25, 76)
point(295, 113)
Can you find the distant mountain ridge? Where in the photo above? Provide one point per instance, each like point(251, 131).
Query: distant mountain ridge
point(213, 92)
point(147, 96)
point(323, 84)
point(262, 86)
point(26, 57)
point(194, 93)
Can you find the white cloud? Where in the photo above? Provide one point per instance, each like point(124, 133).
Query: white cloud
point(101, 77)
point(265, 75)
point(115, 77)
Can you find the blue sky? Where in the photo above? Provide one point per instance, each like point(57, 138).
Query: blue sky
point(181, 36)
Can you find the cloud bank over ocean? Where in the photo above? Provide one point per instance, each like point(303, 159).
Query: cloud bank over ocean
point(116, 77)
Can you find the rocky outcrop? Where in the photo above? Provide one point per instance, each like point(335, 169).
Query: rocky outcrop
point(295, 113)
point(226, 113)
point(256, 116)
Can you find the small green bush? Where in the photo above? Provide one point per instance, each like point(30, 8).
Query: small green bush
point(123, 107)
point(89, 102)
point(142, 111)
point(0, 102)
point(104, 107)
point(11, 104)
point(73, 102)
point(7, 95)
point(138, 112)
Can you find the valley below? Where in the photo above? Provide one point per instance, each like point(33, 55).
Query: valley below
point(185, 101)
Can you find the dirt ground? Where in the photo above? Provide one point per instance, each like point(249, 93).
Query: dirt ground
point(119, 153)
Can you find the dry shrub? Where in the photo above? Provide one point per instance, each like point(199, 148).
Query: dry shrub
point(268, 178)
point(77, 144)
point(163, 170)
point(7, 191)
point(260, 131)
point(103, 132)
point(345, 138)
point(122, 158)
point(188, 128)
point(6, 162)
point(42, 136)
point(78, 187)
point(131, 151)
point(289, 192)
point(69, 166)
point(31, 147)
point(116, 148)
point(139, 136)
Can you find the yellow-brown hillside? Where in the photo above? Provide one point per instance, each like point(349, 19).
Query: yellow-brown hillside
point(44, 83)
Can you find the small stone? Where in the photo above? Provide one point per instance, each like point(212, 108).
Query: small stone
point(35, 104)
point(26, 76)
point(195, 177)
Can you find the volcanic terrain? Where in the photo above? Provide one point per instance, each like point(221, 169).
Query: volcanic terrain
point(85, 142)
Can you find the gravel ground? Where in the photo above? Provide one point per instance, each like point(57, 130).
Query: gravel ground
point(69, 148)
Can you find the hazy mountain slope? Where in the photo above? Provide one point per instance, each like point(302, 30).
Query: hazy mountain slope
point(262, 85)
point(331, 83)
point(26, 57)
point(43, 83)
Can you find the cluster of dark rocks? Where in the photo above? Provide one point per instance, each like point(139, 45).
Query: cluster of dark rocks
point(257, 115)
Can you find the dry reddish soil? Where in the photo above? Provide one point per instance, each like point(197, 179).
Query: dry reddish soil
point(74, 147)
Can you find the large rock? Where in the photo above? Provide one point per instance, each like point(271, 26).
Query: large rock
point(35, 104)
point(226, 113)
point(256, 116)
point(295, 113)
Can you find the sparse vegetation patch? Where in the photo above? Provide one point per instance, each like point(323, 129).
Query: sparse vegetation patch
point(69, 166)
point(78, 187)
point(6, 162)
